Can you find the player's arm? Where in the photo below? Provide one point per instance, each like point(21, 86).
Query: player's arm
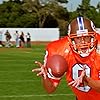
point(95, 84)
point(50, 84)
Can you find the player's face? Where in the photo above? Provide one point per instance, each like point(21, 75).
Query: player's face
point(82, 42)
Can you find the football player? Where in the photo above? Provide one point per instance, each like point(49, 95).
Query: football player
point(81, 49)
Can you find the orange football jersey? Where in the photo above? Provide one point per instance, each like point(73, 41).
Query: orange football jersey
point(75, 64)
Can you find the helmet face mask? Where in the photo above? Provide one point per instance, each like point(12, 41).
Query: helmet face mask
point(82, 41)
point(83, 45)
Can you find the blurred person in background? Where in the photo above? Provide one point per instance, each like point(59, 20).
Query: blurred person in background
point(17, 38)
point(28, 40)
point(22, 40)
point(1, 43)
point(8, 38)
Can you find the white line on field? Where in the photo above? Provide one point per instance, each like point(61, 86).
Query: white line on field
point(19, 81)
point(36, 95)
point(15, 71)
point(8, 59)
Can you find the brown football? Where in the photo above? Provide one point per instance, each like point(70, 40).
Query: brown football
point(57, 64)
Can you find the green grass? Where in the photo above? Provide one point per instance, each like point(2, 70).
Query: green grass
point(17, 82)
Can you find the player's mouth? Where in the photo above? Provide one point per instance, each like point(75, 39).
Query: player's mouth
point(84, 50)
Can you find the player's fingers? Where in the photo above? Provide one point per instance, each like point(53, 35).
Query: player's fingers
point(78, 83)
point(36, 70)
point(42, 74)
point(81, 80)
point(82, 74)
point(39, 74)
point(39, 63)
point(74, 84)
point(70, 83)
point(84, 67)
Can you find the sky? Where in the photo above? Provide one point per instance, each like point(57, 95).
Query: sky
point(73, 4)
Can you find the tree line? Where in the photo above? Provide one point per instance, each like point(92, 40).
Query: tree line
point(44, 14)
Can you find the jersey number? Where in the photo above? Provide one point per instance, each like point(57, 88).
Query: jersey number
point(76, 70)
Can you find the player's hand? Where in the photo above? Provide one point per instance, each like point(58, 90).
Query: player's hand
point(79, 80)
point(41, 71)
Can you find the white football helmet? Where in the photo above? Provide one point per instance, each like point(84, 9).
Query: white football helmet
point(82, 36)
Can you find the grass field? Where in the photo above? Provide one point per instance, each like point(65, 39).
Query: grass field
point(17, 82)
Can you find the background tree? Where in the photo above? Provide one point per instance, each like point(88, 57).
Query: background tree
point(98, 7)
point(50, 14)
point(85, 9)
point(44, 14)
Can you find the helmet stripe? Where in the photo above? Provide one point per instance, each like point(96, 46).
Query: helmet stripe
point(80, 23)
